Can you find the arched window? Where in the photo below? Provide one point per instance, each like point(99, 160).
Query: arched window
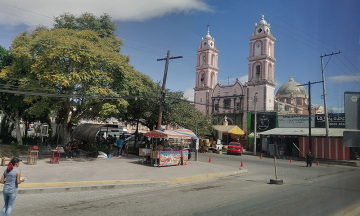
point(212, 81)
point(257, 72)
point(203, 60)
point(270, 72)
point(269, 50)
point(258, 49)
point(202, 79)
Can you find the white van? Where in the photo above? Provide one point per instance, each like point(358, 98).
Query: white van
point(113, 131)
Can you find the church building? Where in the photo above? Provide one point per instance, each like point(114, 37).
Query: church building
point(235, 100)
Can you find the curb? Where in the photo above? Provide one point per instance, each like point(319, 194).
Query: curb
point(321, 161)
point(32, 188)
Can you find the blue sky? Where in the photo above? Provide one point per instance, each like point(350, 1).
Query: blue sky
point(303, 30)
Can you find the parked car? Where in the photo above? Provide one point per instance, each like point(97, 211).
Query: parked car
point(235, 148)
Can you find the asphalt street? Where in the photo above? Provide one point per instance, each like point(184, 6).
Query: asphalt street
point(319, 190)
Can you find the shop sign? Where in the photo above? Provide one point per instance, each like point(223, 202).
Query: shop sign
point(295, 121)
point(335, 120)
point(170, 158)
point(265, 121)
point(185, 157)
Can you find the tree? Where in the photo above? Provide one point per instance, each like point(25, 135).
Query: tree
point(181, 113)
point(70, 60)
point(178, 112)
point(12, 106)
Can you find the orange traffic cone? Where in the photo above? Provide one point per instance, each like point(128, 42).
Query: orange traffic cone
point(290, 160)
point(317, 164)
point(209, 159)
point(261, 156)
point(242, 164)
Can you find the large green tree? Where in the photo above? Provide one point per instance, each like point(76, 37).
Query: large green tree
point(79, 56)
point(12, 106)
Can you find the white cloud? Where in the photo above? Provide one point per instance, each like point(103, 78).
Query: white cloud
point(189, 94)
point(345, 78)
point(119, 10)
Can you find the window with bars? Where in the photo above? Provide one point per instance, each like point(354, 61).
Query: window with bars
point(217, 107)
point(227, 103)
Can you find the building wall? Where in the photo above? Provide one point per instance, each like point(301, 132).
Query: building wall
point(325, 148)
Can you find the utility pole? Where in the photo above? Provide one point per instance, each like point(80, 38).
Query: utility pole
point(324, 91)
point(255, 121)
point(309, 110)
point(163, 91)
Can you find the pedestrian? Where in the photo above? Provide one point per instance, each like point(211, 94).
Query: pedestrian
point(309, 159)
point(13, 177)
point(68, 150)
point(109, 141)
point(75, 148)
point(120, 143)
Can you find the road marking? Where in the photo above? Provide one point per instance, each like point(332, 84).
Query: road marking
point(351, 210)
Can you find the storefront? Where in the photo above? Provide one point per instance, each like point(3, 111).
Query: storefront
point(330, 147)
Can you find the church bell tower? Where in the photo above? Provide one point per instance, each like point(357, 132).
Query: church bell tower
point(261, 68)
point(206, 73)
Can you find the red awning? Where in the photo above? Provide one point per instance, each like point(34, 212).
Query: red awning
point(155, 134)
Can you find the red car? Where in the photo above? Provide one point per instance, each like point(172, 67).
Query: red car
point(235, 148)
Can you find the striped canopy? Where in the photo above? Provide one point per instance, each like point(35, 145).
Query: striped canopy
point(186, 132)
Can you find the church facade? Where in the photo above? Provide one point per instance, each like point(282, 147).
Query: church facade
point(236, 100)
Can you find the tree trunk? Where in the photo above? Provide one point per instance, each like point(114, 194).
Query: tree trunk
point(17, 127)
point(26, 131)
point(136, 132)
point(65, 129)
point(65, 126)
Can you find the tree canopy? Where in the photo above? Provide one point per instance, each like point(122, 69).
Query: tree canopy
point(73, 61)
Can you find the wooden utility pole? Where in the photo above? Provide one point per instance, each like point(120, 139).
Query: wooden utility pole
point(255, 121)
point(163, 91)
point(309, 110)
point(324, 91)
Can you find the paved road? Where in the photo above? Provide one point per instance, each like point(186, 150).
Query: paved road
point(263, 169)
point(323, 190)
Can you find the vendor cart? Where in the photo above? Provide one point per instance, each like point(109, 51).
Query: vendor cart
point(168, 156)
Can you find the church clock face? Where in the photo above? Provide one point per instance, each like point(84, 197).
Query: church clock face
point(260, 30)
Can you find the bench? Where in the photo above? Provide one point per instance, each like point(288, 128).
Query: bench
point(3, 160)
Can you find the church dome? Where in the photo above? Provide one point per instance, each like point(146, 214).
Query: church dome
point(291, 87)
point(262, 21)
point(208, 36)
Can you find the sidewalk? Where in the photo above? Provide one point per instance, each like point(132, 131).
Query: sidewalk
point(322, 161)
point(90, 173)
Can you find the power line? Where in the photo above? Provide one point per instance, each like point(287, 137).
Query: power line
point(26, 10)
point(346, 72)
point(290, 24)
point(21, 16)
point(277, 29)
point(347, 66)
point(218, 1)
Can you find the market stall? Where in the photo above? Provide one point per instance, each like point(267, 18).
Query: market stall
point(167, 147)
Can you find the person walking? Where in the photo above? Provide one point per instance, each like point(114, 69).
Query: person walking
point(120, 143)
point(13, 177)
point(309, 159)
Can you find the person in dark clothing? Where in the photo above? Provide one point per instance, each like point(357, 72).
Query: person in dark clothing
point(75, 149)
point(309, 159)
